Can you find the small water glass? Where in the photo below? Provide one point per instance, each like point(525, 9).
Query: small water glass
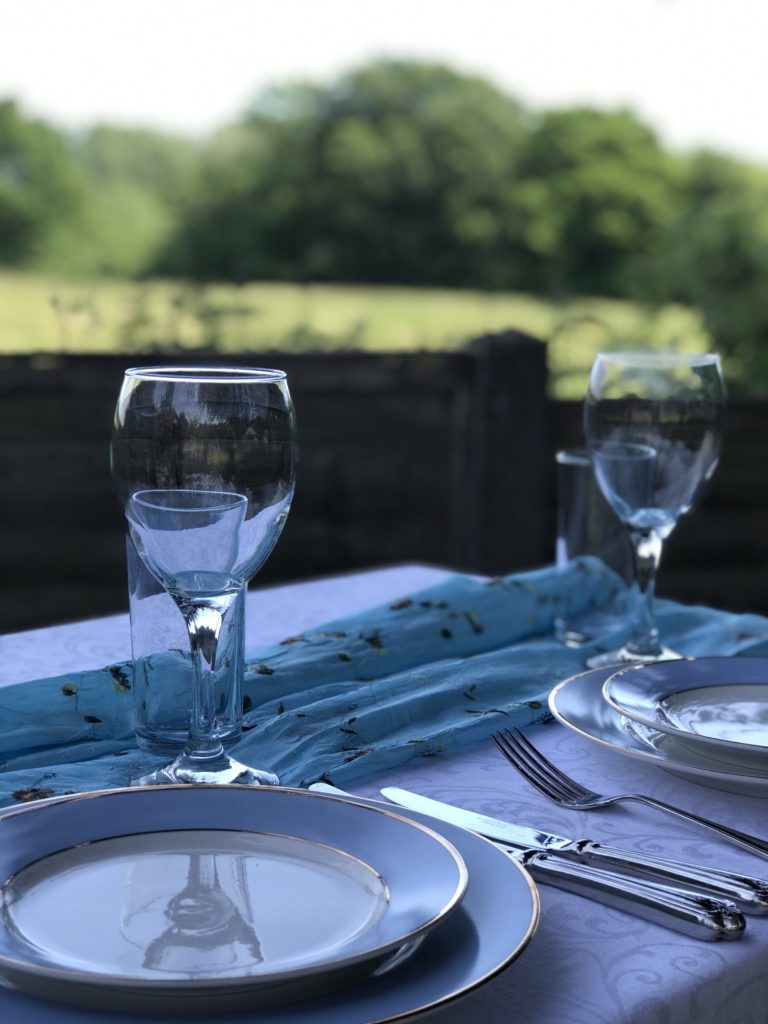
point(588, 526)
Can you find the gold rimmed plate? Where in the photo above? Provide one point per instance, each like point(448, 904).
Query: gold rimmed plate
point(203, 898)
point(718, 706)
point(578, 703)
point(491, 928)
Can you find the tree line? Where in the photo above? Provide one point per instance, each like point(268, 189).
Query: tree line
point(401, 173)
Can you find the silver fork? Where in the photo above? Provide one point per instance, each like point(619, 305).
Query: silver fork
point(563, 790)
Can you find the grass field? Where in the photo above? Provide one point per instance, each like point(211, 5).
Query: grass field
point(45, 314)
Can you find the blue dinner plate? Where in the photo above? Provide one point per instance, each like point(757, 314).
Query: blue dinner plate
point(199, 898)
point(491, 927)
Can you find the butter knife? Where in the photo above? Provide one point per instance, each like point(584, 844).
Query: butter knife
point(692, 914)
point(749, 894)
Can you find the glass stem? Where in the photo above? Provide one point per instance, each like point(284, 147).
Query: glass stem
point(645, 634)
point(205, 618)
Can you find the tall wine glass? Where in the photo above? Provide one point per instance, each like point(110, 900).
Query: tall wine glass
point(653, 423)
point(203, 460)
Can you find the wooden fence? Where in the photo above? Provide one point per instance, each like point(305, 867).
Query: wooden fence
point(440, 458)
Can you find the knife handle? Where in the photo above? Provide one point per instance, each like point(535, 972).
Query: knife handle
point(695, 915)
point(750, 895)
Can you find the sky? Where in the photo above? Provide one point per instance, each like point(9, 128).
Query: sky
point(694, 70)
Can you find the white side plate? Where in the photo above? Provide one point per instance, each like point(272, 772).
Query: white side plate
point(719, 706)
point(578, 703)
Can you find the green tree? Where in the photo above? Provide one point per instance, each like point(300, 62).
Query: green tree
point(595, 189)
point(39, 184)
point(137, 183)
point(118, 232)
point(392, 174)
point(714, 256)
point(166, 165)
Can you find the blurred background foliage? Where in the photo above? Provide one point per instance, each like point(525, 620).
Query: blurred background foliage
point(399, 175)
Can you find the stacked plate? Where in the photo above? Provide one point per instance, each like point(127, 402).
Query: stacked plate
point(302, 906)
point(705, 719)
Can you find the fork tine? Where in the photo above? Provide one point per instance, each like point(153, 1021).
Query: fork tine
point(575, 789)
point(529, 768)
point(535, 768)
point(520, 766)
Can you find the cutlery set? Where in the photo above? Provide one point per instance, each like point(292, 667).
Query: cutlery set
point(750, 895)
point(700, 902)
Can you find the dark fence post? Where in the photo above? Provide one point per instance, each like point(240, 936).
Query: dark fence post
point(501, 490)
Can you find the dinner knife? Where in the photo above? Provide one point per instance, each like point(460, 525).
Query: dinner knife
point(693, 914)
point(749, 894)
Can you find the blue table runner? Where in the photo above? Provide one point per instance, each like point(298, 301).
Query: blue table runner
point(423, 674)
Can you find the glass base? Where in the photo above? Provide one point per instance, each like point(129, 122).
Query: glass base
point(626, 656)
point(169, 742)
point(221, 770)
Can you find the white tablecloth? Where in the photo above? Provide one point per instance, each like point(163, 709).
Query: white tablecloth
point(586, 964)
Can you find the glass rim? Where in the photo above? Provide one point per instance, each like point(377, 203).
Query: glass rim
point(643, 357)
point(573, 457)
point(207, 374)
point(138, 498)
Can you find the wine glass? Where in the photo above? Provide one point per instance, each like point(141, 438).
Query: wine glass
point(203, 460)
point(653, 423)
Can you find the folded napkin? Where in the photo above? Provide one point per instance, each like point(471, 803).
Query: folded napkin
point(417, 676)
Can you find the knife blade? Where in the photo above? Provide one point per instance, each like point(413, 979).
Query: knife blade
point(692, 914)
point(749, 894)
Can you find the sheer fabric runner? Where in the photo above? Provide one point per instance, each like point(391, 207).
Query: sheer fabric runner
point(427, 673)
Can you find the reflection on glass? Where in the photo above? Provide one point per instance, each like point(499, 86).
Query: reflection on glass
point(625, 474)
point(206, 930)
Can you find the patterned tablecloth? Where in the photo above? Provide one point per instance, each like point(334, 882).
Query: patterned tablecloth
point(587, 964)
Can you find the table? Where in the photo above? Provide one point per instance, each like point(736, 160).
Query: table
point(587, 964)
